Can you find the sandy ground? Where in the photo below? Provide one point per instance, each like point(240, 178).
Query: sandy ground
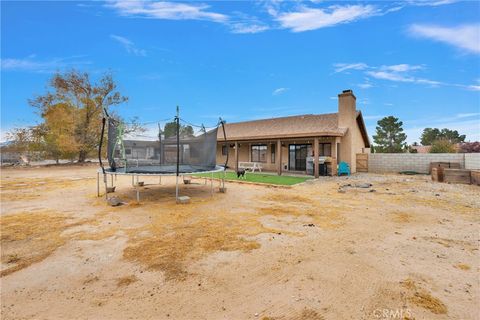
point(407, 250)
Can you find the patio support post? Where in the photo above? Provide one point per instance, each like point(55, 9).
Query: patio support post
point(334, 156)
point(236, 156)
point(315, 157)
point(279, 157)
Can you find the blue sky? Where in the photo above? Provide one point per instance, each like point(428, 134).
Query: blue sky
point(417, 60)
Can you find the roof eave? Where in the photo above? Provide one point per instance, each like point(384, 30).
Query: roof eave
point(363, 129)
point(286, 136)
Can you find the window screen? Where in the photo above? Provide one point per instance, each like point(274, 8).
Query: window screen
point(259, 153)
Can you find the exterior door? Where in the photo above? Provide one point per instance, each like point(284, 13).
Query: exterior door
point(297, 155)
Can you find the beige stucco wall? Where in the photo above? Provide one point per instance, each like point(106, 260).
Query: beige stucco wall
point(244, 155)
point(352, 142)
point(245, 152)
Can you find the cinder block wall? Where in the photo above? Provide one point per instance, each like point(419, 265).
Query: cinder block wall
point(472, 161)
point(419, 162)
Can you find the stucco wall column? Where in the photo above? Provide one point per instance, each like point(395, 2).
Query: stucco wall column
point(316, 153)
point(279, 157)
point(334, 156)
point(236, 156)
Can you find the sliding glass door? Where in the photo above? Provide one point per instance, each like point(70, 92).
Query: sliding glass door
point(297, 156)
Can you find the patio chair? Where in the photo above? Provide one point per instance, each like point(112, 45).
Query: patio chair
point(343, 168)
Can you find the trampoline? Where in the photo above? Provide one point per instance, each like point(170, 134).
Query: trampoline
point(178, 149)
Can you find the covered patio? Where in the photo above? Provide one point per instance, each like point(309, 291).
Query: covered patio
point(285, 155)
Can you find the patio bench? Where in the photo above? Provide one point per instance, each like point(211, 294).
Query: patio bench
point(251, 166)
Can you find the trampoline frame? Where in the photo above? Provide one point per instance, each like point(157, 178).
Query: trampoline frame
point(135, 176)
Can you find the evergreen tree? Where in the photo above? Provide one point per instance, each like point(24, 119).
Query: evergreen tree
point(389, 137)
point(430, 135)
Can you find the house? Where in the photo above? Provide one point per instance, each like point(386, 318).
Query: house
point(420, 149)
point(287, 144)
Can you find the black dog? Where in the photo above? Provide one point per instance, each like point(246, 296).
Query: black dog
point(241, 173)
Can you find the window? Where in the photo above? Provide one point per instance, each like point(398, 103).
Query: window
point(272, 153)
point(224, 150)
point(128, 151)
point(325, 149)
point(259, 153)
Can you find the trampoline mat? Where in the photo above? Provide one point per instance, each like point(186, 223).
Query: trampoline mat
point(166, 169)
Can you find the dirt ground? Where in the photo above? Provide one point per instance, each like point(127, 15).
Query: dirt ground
point(404, 248)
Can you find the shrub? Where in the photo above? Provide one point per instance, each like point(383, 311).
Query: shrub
point(442, 146)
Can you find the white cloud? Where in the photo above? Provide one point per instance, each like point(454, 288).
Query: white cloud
point(365, 85)
point(341, 67)
point(401, 77)
point(401, 67)
point(430, 3)
point(473, 87)
point(129, 45)
point(312, 18)
point(279, 91)
point(464, 37)
point(167, 10)
point(396, 73)
point(248, 28)
point(467, 115)
point(30, 64)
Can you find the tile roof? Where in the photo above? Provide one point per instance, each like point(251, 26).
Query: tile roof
point(293, 126)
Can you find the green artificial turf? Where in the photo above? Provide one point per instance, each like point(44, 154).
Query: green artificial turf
point(258, 178)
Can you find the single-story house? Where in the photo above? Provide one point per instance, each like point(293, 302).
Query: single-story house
point(288, 144)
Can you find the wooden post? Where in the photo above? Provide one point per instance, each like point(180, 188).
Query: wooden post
point(334, 157)
point(236, 156)
point(315, 157)
point(279, 157)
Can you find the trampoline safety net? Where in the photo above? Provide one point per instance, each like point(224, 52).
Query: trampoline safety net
point(153, 152)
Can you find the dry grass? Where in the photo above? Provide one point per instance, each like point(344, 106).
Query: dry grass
point(182, 236)
point(287, 197)
point(422, 298)
point(462, 266)
point(448, 243)
point(95, 235)
point(126, 281)
point(30, 238)
point(305, 314)
point(458, 206)
point(321, 214)
point(34, 188)
point(402, 217)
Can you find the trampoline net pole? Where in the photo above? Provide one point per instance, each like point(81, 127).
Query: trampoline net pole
point(176, 189)
point(178, 151)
